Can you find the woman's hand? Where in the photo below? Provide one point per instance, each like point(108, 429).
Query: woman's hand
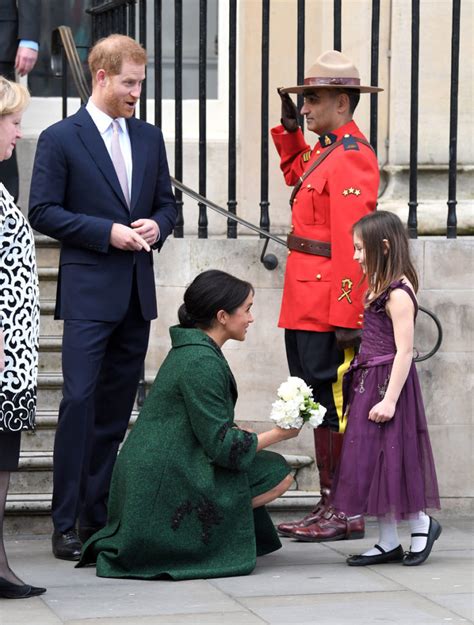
point(288, 433)
point(383, 411)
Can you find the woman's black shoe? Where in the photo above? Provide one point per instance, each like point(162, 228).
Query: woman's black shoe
point(395, 555)
point(14, 591)
point(414, 558)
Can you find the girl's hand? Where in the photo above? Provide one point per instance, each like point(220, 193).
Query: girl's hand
point(383, 411)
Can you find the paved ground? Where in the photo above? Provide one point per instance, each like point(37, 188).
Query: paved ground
point(302, 584)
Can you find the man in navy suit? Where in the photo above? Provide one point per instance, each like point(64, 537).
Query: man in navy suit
point(101, 186)
point(20, 22)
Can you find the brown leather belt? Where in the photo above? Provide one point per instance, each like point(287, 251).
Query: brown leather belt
point(308, 246)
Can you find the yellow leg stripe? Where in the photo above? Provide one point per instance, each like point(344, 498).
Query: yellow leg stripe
point(337, 387)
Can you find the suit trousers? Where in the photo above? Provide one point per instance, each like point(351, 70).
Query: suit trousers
point(316, 358)
point(102, 362)
point(9, 167)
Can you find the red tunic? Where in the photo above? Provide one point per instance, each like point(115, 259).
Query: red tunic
point(320, 293)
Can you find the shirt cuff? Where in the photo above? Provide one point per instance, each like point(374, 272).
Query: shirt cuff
point(27, 43)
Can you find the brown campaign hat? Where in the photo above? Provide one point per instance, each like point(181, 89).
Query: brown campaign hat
point(332, 70)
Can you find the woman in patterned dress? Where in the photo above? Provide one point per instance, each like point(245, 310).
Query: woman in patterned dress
point(19, 327)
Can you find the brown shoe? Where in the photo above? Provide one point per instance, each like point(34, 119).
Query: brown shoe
point(332, 526)
point(287, 529)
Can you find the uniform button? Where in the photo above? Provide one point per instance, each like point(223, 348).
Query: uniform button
point(318, 151)
point(318, 277)
point(359, 323)
point(289, 252)
point(294, 201)
point(309, 186)
point(345, 136)
point(361, 316)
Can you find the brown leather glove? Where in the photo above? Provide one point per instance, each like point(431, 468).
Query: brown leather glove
point(347, 337)
point(289, 112)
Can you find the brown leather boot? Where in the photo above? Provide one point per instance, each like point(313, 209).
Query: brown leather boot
point(327, 447)
point(332, 525)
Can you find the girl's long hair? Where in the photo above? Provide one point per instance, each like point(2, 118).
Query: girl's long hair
point(384, 266)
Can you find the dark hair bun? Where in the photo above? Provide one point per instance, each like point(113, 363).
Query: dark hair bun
point(209, 292)
point(185, 319)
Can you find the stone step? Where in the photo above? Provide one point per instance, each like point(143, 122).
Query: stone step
point(50, 354)
point(35, 472)
point(49, 390)
point(47, 251)
point(48, 277)
point(30, 513)
point(49, 326)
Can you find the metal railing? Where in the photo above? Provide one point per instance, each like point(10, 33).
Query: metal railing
point(130, 17)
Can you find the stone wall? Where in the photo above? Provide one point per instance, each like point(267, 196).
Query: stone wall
point(259, 363)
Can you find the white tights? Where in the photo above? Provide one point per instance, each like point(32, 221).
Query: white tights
point(388, 534)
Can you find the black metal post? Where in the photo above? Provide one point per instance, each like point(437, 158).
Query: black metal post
point(415, 51)
point(64, 82)
point(142, 39)
point(374, 71)
point(232, 160)
point(132, 22)
point(337, 25)
point(178, 113)
point(202, 223)
point(158, 64)
point(453, 121)
point(300, 56)
point(264, 204)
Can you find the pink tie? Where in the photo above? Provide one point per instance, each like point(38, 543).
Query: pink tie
point(118, 161)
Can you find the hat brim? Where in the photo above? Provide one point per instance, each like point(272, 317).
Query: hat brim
point(302, 88)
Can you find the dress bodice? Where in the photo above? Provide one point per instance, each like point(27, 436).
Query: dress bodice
point(377, 337)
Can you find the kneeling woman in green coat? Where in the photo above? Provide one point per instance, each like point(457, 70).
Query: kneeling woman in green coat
point(189, 487)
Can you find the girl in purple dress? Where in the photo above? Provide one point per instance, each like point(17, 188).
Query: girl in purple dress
point(387, 468)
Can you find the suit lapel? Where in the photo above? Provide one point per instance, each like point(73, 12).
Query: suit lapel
point(139, 156)
point(95, 145)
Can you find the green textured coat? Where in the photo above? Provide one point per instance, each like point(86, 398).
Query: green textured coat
point(180, 498)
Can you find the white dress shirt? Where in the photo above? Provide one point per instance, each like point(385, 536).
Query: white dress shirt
point(104, 126)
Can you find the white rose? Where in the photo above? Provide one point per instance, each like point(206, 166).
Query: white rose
point(288, 390)
point(317, 416)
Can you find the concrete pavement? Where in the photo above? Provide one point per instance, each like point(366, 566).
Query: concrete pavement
point(302, 584)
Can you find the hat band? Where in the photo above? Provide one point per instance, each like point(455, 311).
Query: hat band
point(317, 82)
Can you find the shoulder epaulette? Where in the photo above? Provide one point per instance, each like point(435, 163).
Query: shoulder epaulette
point(349, 143)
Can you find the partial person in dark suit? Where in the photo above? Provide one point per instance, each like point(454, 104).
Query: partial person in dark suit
point(19, 36)
point(101, 186)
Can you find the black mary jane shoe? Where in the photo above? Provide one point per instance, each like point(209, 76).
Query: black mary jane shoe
point(14, 591)
point(414, 558)
point(395, 555)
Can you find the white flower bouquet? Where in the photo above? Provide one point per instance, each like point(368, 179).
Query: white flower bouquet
point(295, 405)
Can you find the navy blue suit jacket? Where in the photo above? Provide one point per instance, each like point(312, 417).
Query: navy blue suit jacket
point(75, 197)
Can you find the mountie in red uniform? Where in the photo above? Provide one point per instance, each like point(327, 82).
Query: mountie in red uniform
point(321, 292)
point(334, 185)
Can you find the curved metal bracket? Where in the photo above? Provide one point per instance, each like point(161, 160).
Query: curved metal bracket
point(270, 261)
point(439, 340)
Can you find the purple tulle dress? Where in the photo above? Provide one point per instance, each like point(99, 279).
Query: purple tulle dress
point(388, 468)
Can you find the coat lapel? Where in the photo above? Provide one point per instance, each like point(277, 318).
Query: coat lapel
point(95, 145)
point(139, 156)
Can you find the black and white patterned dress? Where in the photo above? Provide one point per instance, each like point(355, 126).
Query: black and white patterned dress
point(19, 314)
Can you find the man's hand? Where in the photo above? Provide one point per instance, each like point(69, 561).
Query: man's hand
point(289, 112)
point(148, 229)
point(125, 238)
point(25, 60)
point(347, 337)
